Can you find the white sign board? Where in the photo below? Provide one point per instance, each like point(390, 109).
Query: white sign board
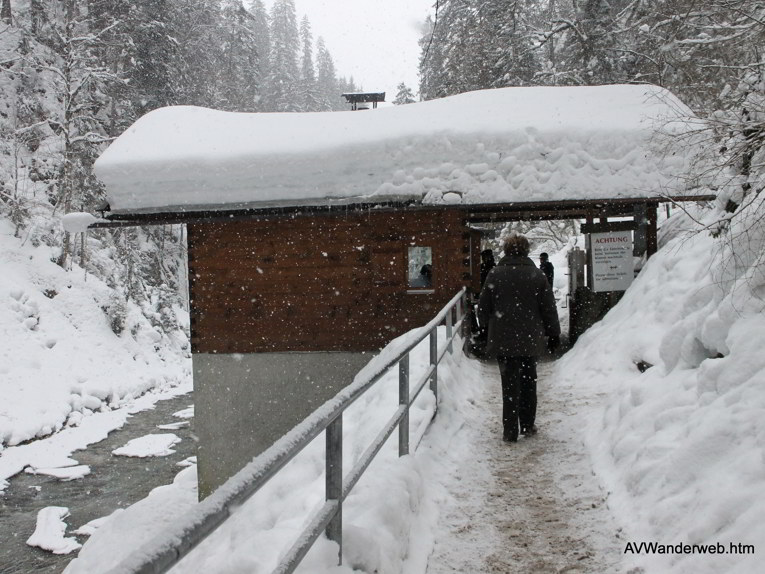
point(612, 265)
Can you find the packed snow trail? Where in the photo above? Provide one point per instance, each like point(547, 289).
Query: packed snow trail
point(532, 507)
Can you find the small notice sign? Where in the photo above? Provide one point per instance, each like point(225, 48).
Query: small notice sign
point(612, 265)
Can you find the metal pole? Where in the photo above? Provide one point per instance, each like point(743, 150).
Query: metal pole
point(403, 400)
point(434, 363)
point(334, 481)
point(449, 323)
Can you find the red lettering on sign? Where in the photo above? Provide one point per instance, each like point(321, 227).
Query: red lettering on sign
point(612, 240)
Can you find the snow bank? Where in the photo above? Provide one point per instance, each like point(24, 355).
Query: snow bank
point(511, 144)
point(61, 363)
point(681, 446)
point(389, 517)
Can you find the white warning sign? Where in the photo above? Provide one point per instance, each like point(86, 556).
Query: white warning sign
point(612, 265)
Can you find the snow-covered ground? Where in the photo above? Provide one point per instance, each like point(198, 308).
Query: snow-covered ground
point(534, 506)
point(677, 449)
point(680, 447)
point(61, 363)
point(672, 456)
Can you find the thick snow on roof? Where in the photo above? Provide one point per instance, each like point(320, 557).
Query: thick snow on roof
point(492, 146)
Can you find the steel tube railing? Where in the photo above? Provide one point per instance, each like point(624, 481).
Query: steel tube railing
point(334, 480)
point(300, 548)
point(403, 400)
point(369, 454)
point(433, 363)
point(162, 553)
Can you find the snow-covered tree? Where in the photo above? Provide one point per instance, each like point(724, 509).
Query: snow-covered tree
point(589, 55)
point(262, 36)
point(148, 52)
point(81, 80)
point(476, 44)
point(281, 92)
point(460, 23)
point(505, 51)
point(239, 76)
point(309, 97)
point(404, 95)
point(433, 81)
point(196, 70)
point(326, 79)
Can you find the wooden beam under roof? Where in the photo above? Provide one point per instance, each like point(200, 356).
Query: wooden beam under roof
point(478, 213)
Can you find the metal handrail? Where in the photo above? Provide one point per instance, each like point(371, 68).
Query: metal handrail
point(162, 553)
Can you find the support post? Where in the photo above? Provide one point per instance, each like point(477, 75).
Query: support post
point(403, 400)
point(449, 327)
point(651, 240)
point(588, 250)
point(640, 235)
point(334, 481)
point(434, 363)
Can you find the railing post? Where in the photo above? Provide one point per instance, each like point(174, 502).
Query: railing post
point(449, 323)
point(403, 400)
point(434, 362)
point(334, 481)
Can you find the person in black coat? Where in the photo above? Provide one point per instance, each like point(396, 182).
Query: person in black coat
point(487, 264)
point(547, 267)
point(518, 307)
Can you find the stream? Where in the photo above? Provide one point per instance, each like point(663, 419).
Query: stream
point(114, 482)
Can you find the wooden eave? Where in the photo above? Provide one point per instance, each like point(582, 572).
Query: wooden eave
point(474, 213)
point(364, 97)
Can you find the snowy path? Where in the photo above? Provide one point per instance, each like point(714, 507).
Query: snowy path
point(533, 507)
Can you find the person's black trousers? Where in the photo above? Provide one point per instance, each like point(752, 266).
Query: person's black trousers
point(519, 393)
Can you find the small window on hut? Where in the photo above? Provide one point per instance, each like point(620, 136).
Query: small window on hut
point(420, 268)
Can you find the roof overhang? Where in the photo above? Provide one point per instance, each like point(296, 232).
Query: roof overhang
point(475, 213)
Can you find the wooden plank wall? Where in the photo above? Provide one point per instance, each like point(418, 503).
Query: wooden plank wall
point(323, 283)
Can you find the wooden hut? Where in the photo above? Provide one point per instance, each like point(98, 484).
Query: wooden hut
point(315, 239)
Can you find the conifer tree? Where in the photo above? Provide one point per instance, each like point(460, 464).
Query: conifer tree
point(590, 49)
point(433, 81)
point(460, 57)
point(262, 37)
point(404, 95)
point(281, 86)
point(506, 54)
point(309, 98)
point(153, 52)
point(326, 81)
point(239, 79)
point(196, 69)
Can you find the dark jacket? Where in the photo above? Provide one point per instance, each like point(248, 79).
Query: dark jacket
point(549, 271)
point(518, 306)
point(487, 264)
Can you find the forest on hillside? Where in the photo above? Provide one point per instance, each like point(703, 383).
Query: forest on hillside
point(76, 73)
point(710, 54)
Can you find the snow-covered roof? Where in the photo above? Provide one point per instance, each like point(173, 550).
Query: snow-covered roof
point(486, 147)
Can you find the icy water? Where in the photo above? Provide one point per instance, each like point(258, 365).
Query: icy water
point(114, 482)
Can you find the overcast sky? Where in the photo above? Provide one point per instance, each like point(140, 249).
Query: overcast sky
point(375, 41)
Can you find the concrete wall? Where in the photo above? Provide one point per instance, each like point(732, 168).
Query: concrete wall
point(245, 402)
